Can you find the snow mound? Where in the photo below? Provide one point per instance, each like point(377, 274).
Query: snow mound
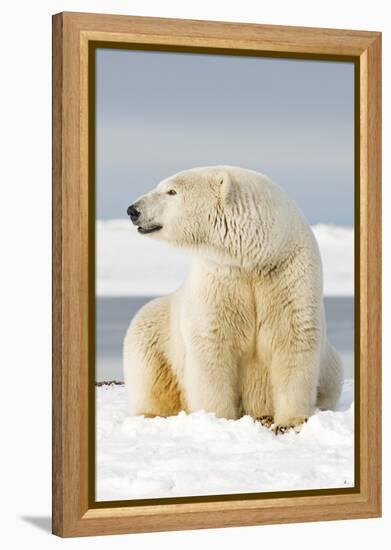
point(161, 268)
point(337, 251)
point(199, 454)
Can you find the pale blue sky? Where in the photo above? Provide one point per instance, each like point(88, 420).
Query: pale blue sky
point(158, 113)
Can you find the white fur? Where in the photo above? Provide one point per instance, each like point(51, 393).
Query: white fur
point(245, 333)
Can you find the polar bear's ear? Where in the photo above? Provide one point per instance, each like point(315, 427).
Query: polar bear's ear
point(223, 181)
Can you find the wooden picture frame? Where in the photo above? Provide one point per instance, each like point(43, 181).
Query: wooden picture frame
point(75, 513)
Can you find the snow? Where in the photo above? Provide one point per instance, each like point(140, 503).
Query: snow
point(337, 251)
point(198, 454)
point(129, 264)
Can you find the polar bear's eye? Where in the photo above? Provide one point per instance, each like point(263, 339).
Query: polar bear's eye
point(171, 192)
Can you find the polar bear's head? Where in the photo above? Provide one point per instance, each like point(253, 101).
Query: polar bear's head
point(219, 210)
point(183, 208)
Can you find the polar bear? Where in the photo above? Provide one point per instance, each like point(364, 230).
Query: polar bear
point(246, 331)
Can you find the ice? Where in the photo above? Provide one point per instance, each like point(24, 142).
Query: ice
point(129, 264)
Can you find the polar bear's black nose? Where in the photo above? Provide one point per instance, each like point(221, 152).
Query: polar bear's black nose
point(133, 213)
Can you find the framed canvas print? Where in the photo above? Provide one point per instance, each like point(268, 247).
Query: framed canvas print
point(216, 274)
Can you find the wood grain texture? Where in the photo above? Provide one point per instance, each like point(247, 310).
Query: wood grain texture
point(72, 34)
point(68, 407)
point(370, 269)
point(57, 401)
point(222, 34)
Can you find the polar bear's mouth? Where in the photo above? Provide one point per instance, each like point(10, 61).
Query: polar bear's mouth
point(150, 229)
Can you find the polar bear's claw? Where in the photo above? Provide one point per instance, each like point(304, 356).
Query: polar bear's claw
point(281, 429)
point(266, 421)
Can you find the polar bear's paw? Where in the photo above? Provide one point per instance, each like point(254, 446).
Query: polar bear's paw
point(266, 421)
point(294, 424)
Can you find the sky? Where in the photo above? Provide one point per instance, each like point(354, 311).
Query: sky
point(158, 113)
